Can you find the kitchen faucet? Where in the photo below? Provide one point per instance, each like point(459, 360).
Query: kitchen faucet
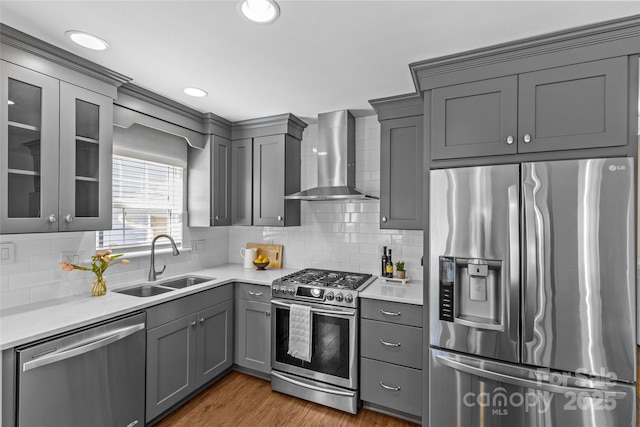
point(152, 270)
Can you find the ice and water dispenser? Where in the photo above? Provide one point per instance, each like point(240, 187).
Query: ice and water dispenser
point(471, 292)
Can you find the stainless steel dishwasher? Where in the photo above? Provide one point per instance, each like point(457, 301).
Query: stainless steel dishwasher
point(93, 377)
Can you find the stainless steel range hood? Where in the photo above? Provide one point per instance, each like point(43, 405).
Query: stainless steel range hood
point(336, 158)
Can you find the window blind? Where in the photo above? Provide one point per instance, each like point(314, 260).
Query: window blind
point(147, 201)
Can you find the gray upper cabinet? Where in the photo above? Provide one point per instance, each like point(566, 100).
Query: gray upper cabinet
point(401, 166)
point(44, 118)
point(475, 119)
point(573, 107)
point(564, 108)
point(221, 181)
point(242, 182)
point(276, 173)
point(401, 161)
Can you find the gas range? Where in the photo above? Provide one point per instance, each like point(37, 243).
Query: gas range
point(322, 286)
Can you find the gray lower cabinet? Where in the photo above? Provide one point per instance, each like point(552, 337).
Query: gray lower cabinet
point(276, 173)
point(401, 166)
point(253, 327)
point(391, 357)
point(189, 343)
point(565, 108)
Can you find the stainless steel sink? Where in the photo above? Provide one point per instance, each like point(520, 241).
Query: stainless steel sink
point(144, 291)
point(184, 282)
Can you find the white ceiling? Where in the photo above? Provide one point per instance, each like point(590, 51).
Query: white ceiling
point(319, 56)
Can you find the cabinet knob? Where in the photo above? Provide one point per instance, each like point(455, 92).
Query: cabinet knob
point(527, 138)
point(193, 323)
point(510, 140)
point(52, 218)
point(280, 218)
point(68, 218)
point(384, 219)
point(217, 218)
point(268, 313)
point(202, 320)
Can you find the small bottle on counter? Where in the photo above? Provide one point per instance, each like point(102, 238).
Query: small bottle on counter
point(389, 266)
point(383, 269)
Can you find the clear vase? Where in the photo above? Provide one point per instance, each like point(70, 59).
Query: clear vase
point(99, 287)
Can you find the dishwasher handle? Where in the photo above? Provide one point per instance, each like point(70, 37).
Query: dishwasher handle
point(83, 347)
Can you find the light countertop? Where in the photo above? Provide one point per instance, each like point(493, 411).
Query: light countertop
point(408, 293)
point(28, 323)
point(32, 322)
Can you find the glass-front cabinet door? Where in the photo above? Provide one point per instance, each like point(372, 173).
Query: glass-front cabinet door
point(55, 154)
point(29, 146)
point(86, 136)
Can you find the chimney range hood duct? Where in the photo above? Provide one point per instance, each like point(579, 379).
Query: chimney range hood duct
point(336, 158)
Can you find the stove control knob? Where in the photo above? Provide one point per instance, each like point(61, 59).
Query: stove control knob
point(339, 297)
point(276, 289)
point(329, 296)
point(292, 291)
point(348, 298)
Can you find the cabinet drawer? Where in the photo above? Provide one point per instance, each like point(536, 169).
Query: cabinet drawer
point(392, 386)
point(253, 292)
point(387, 342)
point(394, 312)
point(169, 311)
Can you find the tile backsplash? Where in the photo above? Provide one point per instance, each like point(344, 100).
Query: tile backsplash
point(335, 235)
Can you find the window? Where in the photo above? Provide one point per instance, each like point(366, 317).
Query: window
point(147, 200)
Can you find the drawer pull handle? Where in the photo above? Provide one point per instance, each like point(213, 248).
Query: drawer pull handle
point(389, 313)
point(390, 344)
point(255, 294)
point(388, 387)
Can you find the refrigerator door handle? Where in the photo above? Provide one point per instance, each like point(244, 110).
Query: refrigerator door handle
point(530, 251)
point(514, 263)
point(524, 382)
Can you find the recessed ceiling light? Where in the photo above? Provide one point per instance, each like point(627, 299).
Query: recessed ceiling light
point(261, 11)
point(87, 40)
point(194, 91)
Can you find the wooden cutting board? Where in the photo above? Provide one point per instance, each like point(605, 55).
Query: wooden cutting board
point(273, 252)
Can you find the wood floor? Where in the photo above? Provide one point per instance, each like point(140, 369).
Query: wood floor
point(242, 400)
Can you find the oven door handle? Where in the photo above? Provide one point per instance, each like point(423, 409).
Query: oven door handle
point(318, 310)
point(312, 386)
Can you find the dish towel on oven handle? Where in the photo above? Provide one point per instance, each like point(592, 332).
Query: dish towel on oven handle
point(300, 332)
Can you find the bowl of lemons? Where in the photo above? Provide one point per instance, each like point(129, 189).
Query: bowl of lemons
point(261, 262)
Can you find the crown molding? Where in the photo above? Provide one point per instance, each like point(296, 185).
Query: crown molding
point(271, 125)
point(393, 107)
point(22, 41)
point(587, 43)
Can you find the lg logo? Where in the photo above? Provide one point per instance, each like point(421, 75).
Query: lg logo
point(614, 168)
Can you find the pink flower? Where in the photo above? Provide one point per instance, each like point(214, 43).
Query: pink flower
point(106, 257)
point(125, 261)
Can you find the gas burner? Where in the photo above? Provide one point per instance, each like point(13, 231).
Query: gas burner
point(313, 284)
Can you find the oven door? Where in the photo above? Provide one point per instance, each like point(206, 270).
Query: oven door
point(334, 353)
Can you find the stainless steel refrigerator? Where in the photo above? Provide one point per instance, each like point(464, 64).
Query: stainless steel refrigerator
point(533, 295)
